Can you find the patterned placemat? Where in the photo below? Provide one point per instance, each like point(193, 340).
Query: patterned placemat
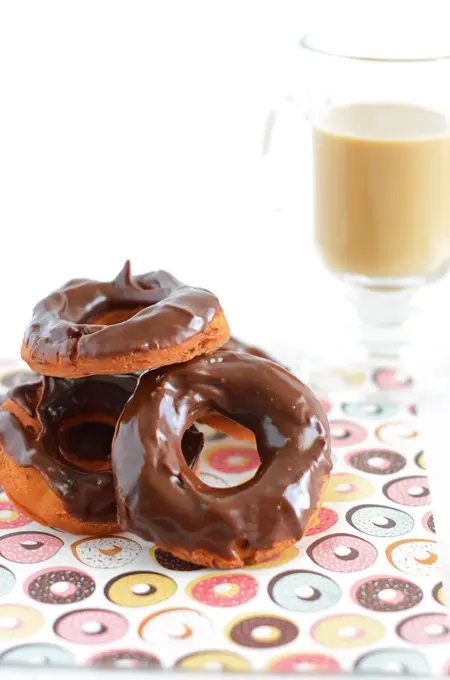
point(361, 592)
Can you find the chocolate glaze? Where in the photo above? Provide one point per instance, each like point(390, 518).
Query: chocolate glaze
point(160, 499)
point(163, 313)
point(87, 495)
point(13, 379)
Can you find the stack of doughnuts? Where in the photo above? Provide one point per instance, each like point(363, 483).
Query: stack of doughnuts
point(102, 436)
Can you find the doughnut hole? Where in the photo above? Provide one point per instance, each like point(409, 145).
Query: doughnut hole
point(85, 441)
point(93, 628)
point(228, 461)
point(111, 314)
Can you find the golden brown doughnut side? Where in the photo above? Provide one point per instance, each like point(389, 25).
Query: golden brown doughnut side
point(24, 485)
point(246, 557)
point(27, 488)
point(206, 342)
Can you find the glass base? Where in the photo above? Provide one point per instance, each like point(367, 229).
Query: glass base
point(371, 358)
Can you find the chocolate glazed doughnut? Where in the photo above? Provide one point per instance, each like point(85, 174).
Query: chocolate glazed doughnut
point(124, 326)
point(220, 422)
point(55, 449)
point(160, 499)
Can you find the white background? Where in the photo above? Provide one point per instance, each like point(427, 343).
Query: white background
point(134, 129)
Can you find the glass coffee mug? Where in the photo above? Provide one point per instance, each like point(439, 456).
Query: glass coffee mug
point(381, 152)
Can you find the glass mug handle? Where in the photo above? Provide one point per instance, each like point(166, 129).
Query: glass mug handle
point(285, 134)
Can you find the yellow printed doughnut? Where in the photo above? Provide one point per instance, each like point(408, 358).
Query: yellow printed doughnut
point(346, 487)
point(215, 660)
point(17, 621)
point(439, 593)
point(347, 630)
point(140, 589)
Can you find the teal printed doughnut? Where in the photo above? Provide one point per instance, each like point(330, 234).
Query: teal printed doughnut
point(304, 591)
point(380, 520)
point(38, 654)
point(393, 661)
point(369, 410)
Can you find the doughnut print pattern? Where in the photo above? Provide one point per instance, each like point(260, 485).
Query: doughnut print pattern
point(361, 592)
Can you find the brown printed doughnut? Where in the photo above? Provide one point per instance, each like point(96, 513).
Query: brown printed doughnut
point(377, 461)
point(125, 659)
point(261, 631)
point(172, 563)
point(59, 585)
point(386, 594)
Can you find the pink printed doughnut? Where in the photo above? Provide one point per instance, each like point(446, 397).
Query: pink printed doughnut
point(345, 433)
point(28, 548)
point(325, 519)
point(233, 459)
point(410, 491)
point(59, 585)
point(91, 626)
point(11, 517)
point(303, 663)
point(425, 629)
point(390, 379)
point(343, 553)
point(223, 590)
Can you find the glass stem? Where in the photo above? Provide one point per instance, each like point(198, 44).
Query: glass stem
point(384, 314)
